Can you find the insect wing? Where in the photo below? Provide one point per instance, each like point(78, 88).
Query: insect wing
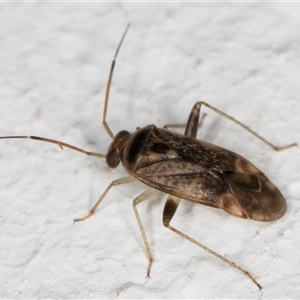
point(204, 173)
point(258, 196)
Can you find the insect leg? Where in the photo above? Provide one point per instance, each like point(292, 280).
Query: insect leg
point(196, 110)
point(123, 180)
point(142, 197)
point(170, 208)
point(173, 202)
point(167, 126)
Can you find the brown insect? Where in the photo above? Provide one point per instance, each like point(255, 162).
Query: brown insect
point(186, 168)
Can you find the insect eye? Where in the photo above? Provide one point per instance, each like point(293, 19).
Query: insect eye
point(113, 158)
point(122, 135)
point(115, 149)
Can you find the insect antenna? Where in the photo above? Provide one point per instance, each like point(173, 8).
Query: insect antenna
point(59, 143)
point(108, 130)
point(106, 127)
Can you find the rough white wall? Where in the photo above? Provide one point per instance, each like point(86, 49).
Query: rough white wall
point(243, 58)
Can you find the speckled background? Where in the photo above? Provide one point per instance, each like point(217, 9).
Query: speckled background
point(242, 58)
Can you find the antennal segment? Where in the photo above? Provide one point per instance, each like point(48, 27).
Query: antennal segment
point(107, 128)
point(59, 143)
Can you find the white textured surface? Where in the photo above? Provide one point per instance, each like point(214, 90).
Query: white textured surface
point(54, 62)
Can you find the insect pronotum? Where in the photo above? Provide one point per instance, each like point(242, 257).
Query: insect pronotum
point(186, 168)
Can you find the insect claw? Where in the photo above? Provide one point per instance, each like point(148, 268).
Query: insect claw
point(84, 218)
point(149, 268)
point(258, 285)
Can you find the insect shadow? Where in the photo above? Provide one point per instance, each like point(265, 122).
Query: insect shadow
point(186, 168)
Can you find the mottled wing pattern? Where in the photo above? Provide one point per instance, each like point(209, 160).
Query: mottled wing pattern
point(259, 198)
point(204, 173)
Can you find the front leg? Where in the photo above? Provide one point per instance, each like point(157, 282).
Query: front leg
point(142, 197)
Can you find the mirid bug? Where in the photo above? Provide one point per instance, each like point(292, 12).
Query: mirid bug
point(186, 168)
